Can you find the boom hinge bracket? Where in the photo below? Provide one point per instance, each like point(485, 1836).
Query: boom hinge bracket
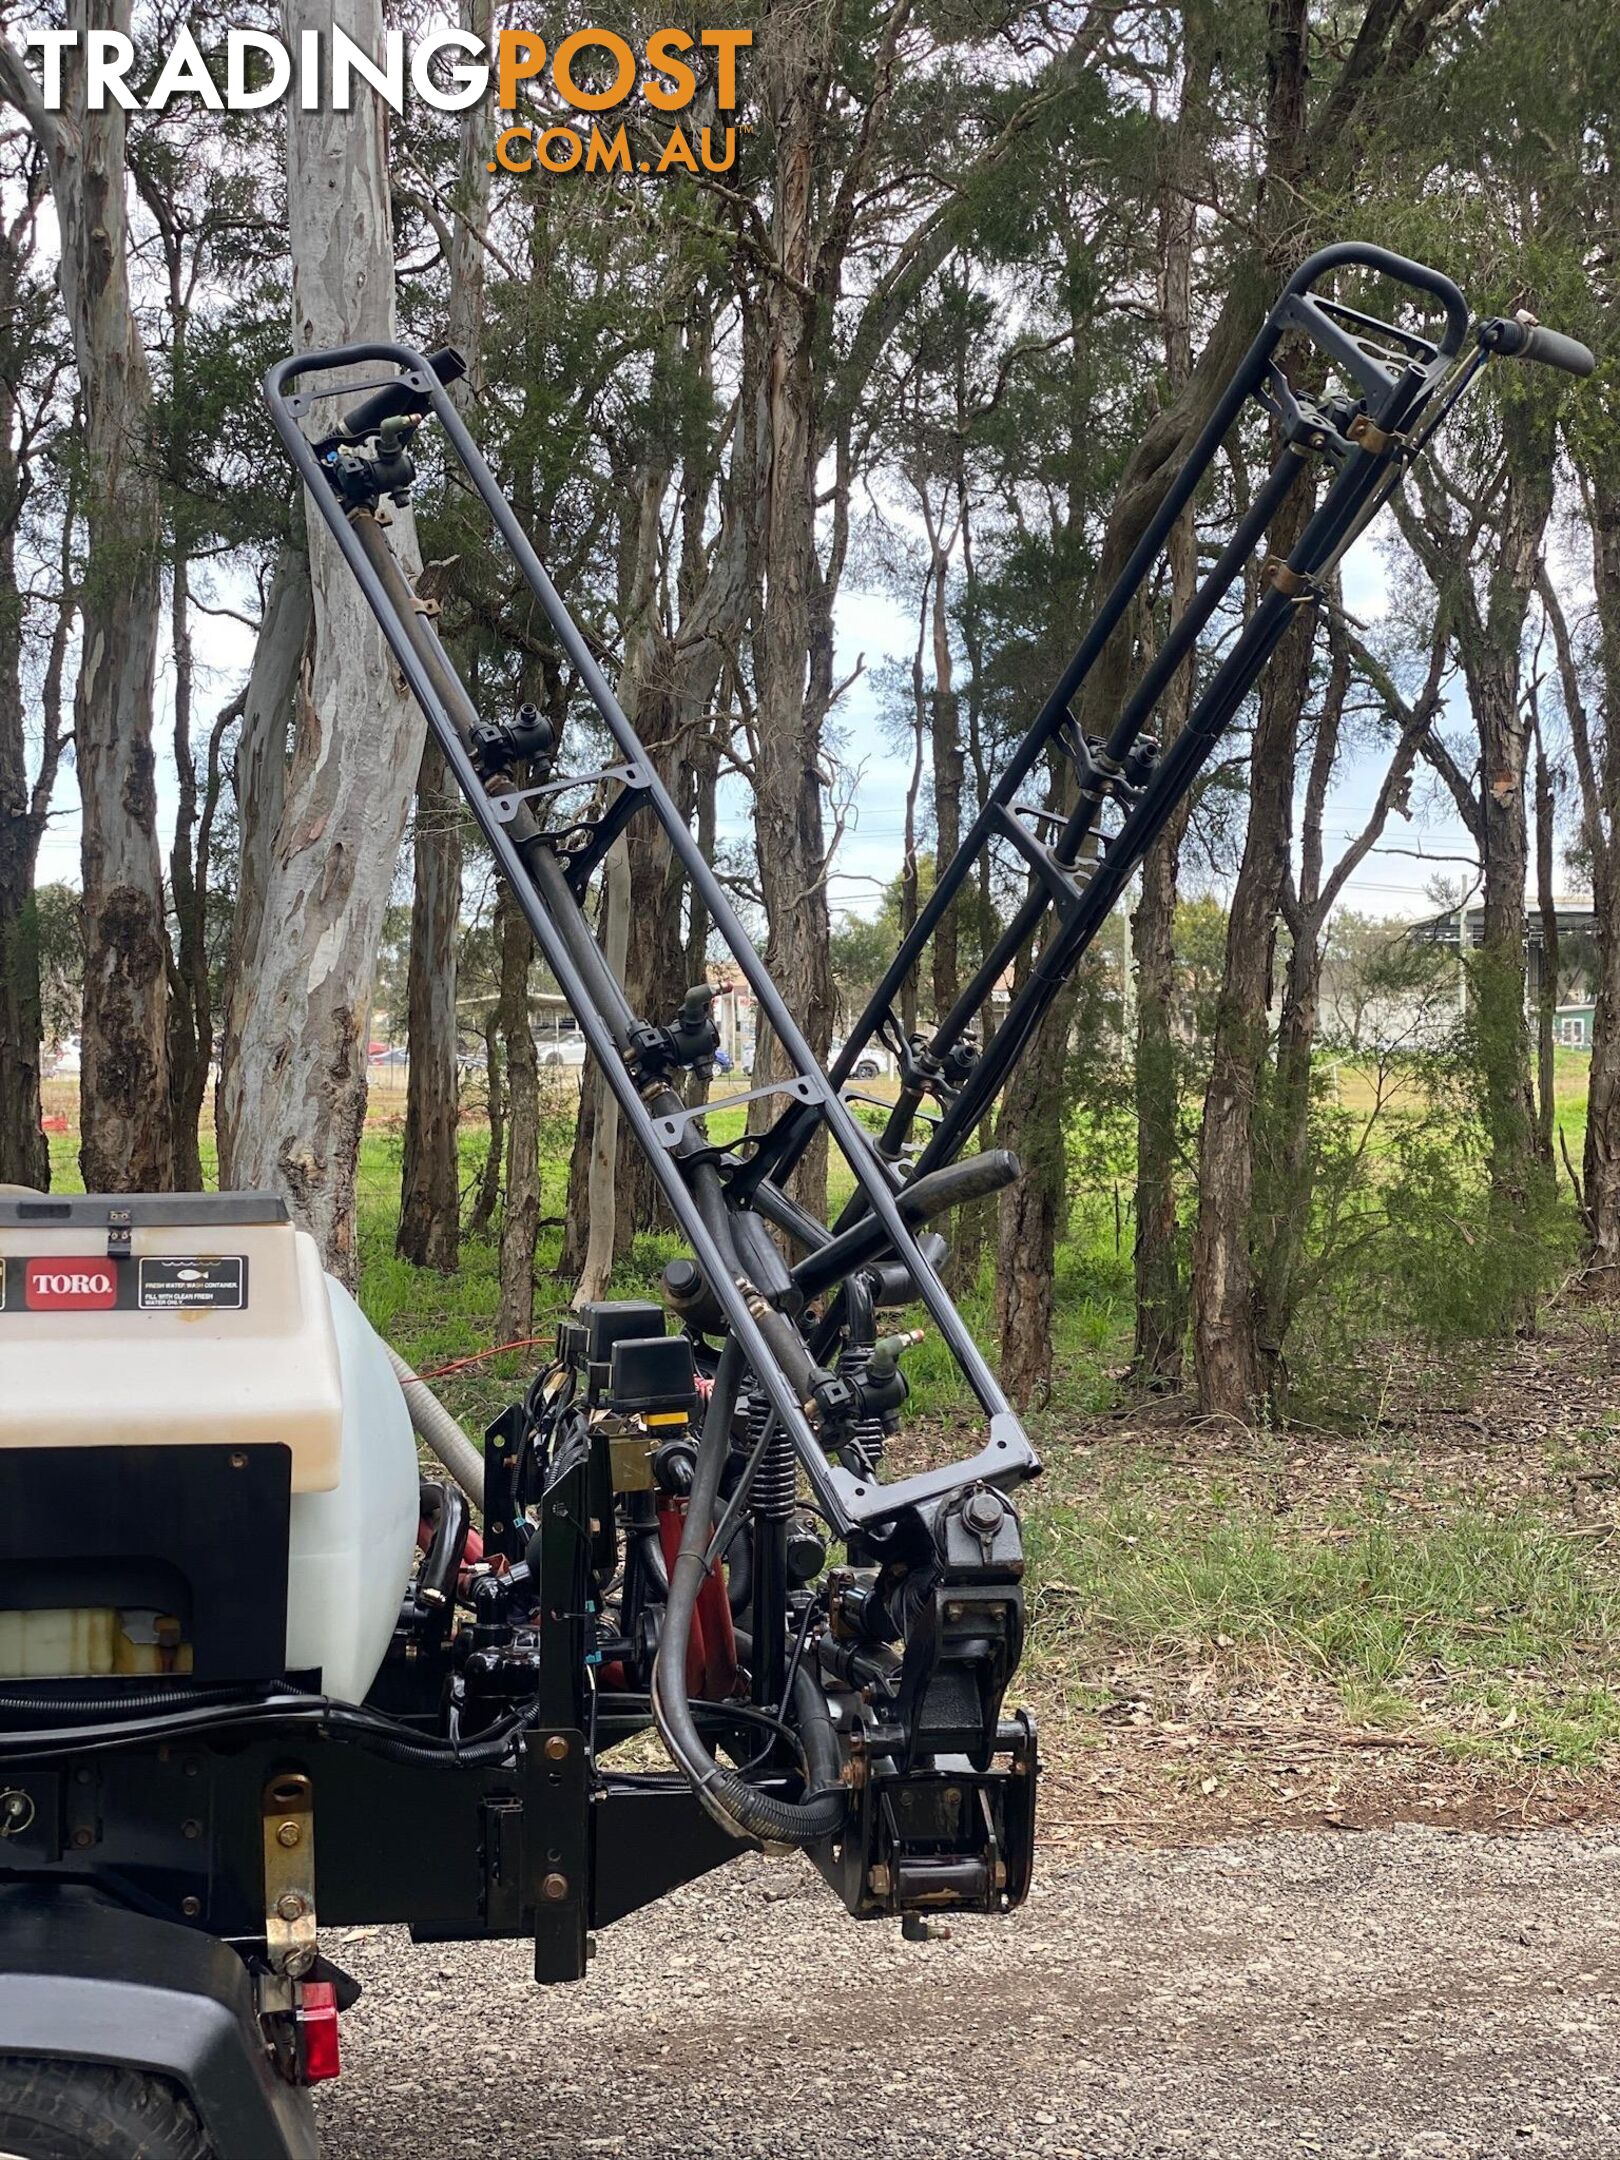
point(1367, 435)
point(1292, 584)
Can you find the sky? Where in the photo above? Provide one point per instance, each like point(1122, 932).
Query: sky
point(874, 627)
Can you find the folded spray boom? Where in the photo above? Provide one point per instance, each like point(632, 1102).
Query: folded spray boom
point(897, 1664)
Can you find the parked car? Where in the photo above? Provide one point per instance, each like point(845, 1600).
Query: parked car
point(563, 1049)
point(874, 1062)
point(389, 1057)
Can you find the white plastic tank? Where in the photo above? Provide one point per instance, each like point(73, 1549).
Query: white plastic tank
point(209, 1318)
point(351, 1546)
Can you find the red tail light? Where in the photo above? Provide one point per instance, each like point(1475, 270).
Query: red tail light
point(317, 2016)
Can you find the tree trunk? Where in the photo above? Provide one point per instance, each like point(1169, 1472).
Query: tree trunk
point(489, 1178)
point(602, 1175)
point(1231, 1376)
point(190, 1023)
point(430, 1184)
point(24, 1153)
point(1600, 789)
point(520, 1222)
point(1500, 1027)
point(791, 837)
point(1032, 1122)
point(259, 781)
point(1161, 1291)
point(1547, 999)
point(124, 1086)
point(430, 1180)
point(25, 1157)
point(293, 1098)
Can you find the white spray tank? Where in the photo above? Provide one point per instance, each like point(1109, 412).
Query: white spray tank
point(214, 1322)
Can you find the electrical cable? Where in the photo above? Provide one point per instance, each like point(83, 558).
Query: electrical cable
point(350, 1721)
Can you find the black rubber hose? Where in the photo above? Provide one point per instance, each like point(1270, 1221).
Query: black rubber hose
point(734, 1804)
point(446, 1506)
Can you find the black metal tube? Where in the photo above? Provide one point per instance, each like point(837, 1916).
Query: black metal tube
point(1134, 716)
point(953, 1186)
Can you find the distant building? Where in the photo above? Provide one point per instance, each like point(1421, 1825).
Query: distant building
point(1577, 924)
point(1572, 1027)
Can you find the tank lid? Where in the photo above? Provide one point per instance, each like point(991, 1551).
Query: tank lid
point(136, 1211)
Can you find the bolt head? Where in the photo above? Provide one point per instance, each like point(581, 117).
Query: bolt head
point(554, 1889)
point(557, 1748)
point(290, 1906)
point(983, 1510)
point(191, 1907)
point(288, 1834)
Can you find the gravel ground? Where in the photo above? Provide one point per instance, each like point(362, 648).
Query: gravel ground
point(1410, 1992)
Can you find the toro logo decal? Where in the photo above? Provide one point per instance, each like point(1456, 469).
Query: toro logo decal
point(70, 1284)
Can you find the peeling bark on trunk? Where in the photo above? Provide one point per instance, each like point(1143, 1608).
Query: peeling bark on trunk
point(293, 1097)
point(259, 779)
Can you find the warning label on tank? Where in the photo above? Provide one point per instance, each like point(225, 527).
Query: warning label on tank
point(171, 1285)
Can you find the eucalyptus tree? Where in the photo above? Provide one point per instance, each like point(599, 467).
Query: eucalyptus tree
point(125, 1137)
point(430, 1184)
point(292, 1094)
point(34, 402)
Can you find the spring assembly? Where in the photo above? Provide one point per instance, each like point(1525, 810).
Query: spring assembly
point(863, 1449)
point(776, 1481)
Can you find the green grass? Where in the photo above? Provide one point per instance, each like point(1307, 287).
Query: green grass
point(1493, 1634)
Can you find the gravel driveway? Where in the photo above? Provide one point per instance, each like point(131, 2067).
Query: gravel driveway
point(1411, 1992)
